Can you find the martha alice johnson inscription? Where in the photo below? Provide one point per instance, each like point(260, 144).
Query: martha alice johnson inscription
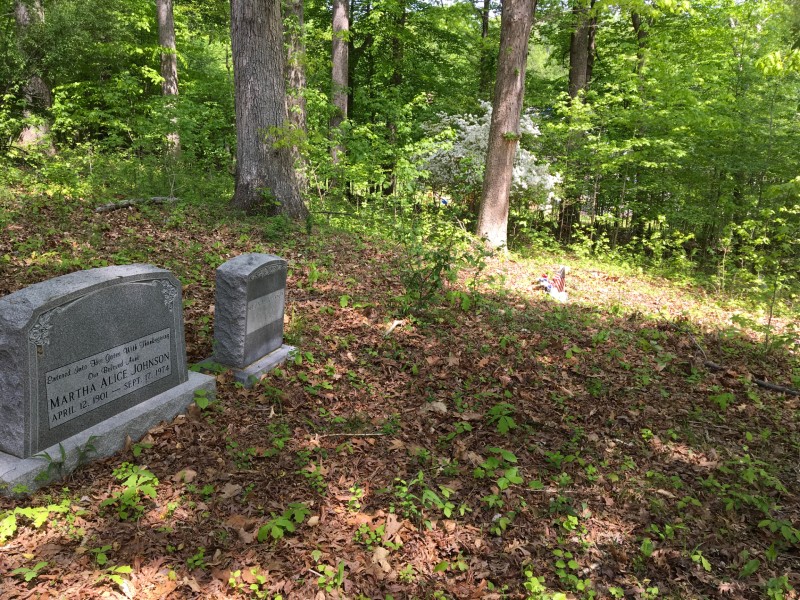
point(84, 385)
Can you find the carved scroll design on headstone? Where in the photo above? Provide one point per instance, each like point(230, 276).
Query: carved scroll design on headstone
point(267, 270)
point(40, 332)
point(169, 292)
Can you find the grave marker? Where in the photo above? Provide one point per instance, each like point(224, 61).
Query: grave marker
point(248, 315)
point(94, 353)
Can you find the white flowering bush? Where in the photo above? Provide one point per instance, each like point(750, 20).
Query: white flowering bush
point(457, 164)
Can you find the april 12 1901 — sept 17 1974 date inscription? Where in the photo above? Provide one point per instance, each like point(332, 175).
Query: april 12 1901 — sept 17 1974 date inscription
point(84, 385)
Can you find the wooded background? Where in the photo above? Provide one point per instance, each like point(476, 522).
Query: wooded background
point(663, 131)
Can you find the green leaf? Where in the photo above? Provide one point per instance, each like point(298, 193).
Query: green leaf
point(749, 568)
point(263, 532)
point(8, 525)
point(647, 547)
point(512, 475)
point(441, 567)
point(505, 454)
point(123, 569)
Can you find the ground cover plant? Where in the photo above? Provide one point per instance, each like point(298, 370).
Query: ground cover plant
point(484, 443)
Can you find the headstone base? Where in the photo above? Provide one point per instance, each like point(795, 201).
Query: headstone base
point(108, 437)
point(253, 373)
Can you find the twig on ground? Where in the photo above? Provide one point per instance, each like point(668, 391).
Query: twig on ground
point(759, 382)
point(699, 347)
point(133, 202)
point(324, 435)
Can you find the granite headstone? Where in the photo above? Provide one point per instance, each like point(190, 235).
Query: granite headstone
point(248, 314)
point(78, 351)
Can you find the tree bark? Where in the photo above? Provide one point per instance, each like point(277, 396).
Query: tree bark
point(169, 66)
point(296, 79)
point(581, 63)
point(516, 21)
point(295, 65)
point(37, 95)
point(339, 70)
point(579, 49)
point(398, 47)
point(265, 177)
point(641, 40)
point(484, 84)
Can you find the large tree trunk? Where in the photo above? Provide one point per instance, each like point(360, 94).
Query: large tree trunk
point(38, 97)
point(296, 78)
point(169, 66)
point(265, 177)
point(339, 60)
point(515, 29)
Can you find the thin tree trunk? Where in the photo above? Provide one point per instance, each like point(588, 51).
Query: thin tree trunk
point(592, 48)
point(398, 49)
point(579, 49)
point(484, 85)
point(515, 29)
point(37, 95)
point(396, 80)
point(169, 67)
point(265, 177)
point(296, 78)
point(581, 63)
point(641, 37)
point(339, 60)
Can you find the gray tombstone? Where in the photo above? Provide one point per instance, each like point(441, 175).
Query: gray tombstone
point(248, 315)
point(94, 354)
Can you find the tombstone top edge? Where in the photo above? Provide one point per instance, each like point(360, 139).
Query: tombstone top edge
point(22, 303)
point(244, 264)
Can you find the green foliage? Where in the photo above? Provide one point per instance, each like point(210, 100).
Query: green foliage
point(201, 399)
point(114, 574)
point(197, 560)
point(414, 499)
point(38, 515)
point(100, 554)
point(258, 586)
point(137, 484)
point(331, 578)
point(777, 587)
point(434, 253)
point(567, 571)
point(501, 416)
point(277, 527)
point(30, 573)
point(373, 537)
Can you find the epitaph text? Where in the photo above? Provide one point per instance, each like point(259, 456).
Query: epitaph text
point(84, 385)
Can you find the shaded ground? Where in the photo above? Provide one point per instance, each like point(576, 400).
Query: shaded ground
point(500, 445)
